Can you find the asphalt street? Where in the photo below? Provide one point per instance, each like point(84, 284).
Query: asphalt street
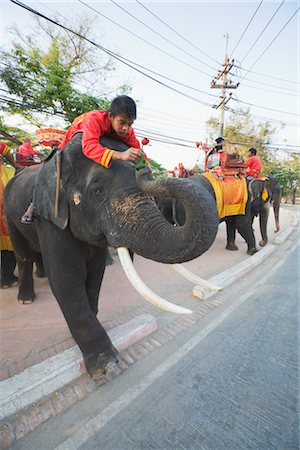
point(231, 383)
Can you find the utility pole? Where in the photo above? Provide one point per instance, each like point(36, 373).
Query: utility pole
point(224, 85)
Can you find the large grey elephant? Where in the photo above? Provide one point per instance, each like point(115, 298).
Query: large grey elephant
point(98, 207)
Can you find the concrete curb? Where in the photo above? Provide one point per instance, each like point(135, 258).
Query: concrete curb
point(40, 380)
point(229, 276)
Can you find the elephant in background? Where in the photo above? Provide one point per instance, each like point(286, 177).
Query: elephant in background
point(98, 207)
point(256, 205)
point(261, 203)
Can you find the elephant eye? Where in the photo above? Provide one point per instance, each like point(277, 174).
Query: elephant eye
point(98, 189)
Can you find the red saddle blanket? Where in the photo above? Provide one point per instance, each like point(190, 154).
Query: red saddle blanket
point(231, 194)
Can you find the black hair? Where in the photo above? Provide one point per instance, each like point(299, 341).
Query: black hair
point(123, 105)
point(253, 151)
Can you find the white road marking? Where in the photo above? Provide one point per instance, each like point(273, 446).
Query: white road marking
point(99, 421)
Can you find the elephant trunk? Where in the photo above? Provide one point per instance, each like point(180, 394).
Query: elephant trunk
point(150, 235)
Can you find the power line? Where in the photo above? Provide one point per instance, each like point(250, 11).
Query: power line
point(254, 14)
point(264, 29)
point(265, 107)
point(266, 76)
point(114, 55)
point(270, 43)
point(178, 34)
point(160, 35)
point(142, 39)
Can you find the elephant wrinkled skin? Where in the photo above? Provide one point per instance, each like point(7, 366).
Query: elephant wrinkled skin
point(98, 207)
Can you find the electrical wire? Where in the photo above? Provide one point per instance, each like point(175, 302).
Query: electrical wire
point(265, 107)
point(114, 55)
point(142, 39)
point(178, 34)
point(262, 54)
point(264, 29)
point(161, 36)
point(254, 14)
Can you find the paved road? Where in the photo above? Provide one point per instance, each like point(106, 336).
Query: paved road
point(231, 383)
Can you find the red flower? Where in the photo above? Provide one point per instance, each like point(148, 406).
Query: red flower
point(145, 141)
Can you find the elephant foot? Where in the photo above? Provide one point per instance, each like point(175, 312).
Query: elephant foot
point(252, 251)
point(40, 273)
point(231, 247)
point(263, 243)
point(99, 365)
point(10, 282)
point(25, 302)
point(26, 299)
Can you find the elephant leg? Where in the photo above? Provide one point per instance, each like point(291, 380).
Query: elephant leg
point(245, 229)
point(25, 258)
point(231, 233)
point(26, 293)
point(95, 271)
point(8, 265)
point(66, 263)
point(40, 269)
point(263, 222)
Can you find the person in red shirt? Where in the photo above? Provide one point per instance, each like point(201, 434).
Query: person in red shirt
point(26, 150)
point(253, 164)
point(116, 122)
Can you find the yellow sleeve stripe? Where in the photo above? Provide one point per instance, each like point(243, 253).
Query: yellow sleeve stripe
point(106, 158)
point(5, 150)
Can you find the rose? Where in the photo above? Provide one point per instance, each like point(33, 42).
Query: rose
point(145, 141)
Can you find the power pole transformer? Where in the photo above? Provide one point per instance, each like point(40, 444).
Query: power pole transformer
point(223, 85)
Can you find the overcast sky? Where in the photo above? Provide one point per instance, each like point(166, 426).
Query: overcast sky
point(185, 42)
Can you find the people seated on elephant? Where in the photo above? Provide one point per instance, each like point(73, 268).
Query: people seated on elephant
point(214, 155)
point(115, 122)
point(26, 152)
point(253, 164)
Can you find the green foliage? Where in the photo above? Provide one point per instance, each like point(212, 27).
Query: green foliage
point(288, 174)
point(41, 74)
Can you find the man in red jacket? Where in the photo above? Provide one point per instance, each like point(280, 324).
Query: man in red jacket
point(115, 122)
point(26, 149)
point(253, 164)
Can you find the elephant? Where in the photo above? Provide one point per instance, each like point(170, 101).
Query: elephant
point(96, 208)
point(260, 203)
point(256, 205)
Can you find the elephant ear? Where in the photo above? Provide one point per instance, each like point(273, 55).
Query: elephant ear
point(45, 194)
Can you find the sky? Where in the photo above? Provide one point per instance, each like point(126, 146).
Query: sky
point(181, 46)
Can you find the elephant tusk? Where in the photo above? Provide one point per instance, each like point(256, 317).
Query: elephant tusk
point(179, 268)
point(142, 289)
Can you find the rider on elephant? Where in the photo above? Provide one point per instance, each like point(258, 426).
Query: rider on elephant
point(115, 122)
point(253, 164)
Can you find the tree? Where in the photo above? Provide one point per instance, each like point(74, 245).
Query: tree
point(288, 174)
point(241, 131)
point(42, 78)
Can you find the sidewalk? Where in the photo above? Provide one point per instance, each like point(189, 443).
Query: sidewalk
point(33, 333)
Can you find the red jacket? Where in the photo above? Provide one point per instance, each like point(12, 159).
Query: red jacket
point(93, 125)
point(254, 166)
point(26, 149)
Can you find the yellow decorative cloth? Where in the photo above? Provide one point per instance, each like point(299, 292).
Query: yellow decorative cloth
point(6, 173)
point(231, 194)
